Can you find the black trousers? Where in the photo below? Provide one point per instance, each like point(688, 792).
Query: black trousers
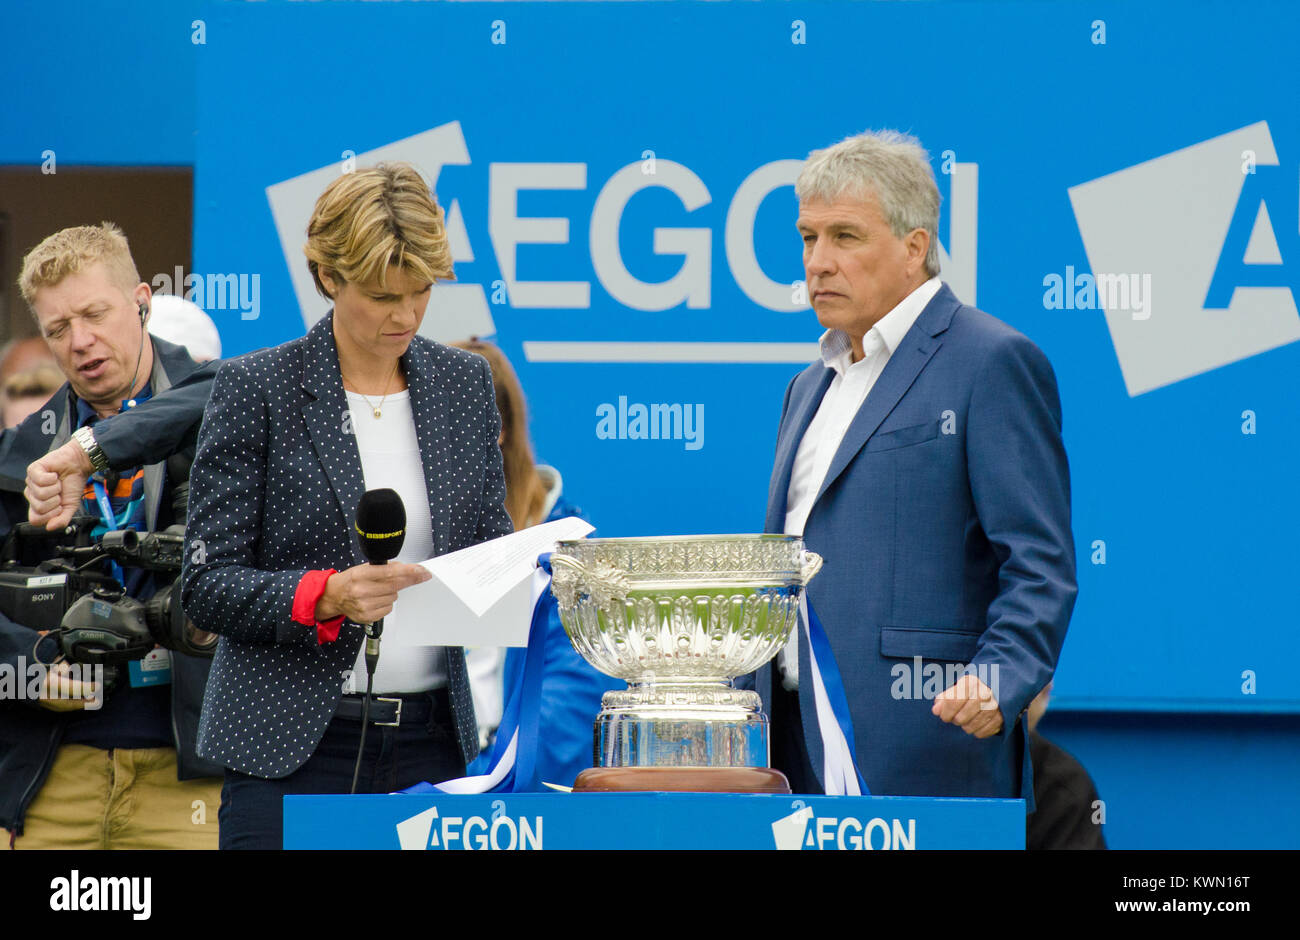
point(252, 809)
point(789, 754)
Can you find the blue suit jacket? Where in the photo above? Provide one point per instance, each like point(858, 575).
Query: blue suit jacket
point(944, 522)
point(274, 493)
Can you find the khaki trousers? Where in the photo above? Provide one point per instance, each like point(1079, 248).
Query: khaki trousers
point(120, 799)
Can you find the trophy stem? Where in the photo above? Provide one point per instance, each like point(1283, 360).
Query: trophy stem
point(691, 723)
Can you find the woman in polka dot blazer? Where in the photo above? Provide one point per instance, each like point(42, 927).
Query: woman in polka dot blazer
point(291, 439)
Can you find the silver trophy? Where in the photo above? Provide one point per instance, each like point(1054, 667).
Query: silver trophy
point(679, 618)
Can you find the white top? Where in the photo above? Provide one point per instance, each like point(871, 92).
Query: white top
point(840, 405)
point(390, 458)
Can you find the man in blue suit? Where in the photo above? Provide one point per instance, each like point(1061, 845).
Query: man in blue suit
point(921, 456)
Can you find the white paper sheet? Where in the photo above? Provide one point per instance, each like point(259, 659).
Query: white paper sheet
point(481, 595)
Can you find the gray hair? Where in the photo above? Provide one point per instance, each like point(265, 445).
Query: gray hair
point(892, 165)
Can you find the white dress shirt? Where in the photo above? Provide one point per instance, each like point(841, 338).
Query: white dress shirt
point(839, 406)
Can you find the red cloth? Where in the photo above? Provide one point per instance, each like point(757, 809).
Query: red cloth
point(309, 592)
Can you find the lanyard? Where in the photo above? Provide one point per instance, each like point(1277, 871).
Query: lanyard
point(110, 521)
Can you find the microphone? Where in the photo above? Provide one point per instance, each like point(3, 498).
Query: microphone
point(381, 527)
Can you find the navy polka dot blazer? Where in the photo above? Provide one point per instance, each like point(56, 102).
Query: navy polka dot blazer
point(274, 492)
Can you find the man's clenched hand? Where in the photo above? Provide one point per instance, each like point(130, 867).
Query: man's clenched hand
point(55, 485)
point(969, 704)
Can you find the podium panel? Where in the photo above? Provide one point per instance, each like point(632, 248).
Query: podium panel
point(531, 821)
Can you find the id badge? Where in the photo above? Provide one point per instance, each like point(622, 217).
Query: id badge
point(154, 669)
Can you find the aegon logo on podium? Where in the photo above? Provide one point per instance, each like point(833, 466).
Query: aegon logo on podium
point(802, 830)
point(500, 832)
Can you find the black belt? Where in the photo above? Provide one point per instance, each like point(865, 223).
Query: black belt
point(413, 708)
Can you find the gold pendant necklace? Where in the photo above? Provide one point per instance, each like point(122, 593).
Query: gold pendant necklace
point(378, 409)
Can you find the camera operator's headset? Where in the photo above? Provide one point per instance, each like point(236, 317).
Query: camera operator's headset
point(100, 491)
point(178, 465)
point(139, 354)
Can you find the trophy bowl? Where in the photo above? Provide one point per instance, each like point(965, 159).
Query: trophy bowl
point(679, 618)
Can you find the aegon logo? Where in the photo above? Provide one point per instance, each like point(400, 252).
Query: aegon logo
point(802, 830)
point(463, 308)
point(428, 830)
point(1215, 228)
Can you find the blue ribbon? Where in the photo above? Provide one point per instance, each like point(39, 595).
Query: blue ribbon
point(523, 710)
point(833, 684)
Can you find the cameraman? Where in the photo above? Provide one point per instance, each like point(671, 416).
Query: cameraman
point(80, 768)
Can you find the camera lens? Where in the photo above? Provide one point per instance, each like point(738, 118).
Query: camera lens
point(199, 640)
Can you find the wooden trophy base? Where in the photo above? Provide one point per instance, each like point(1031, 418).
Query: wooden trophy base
point(681, 780)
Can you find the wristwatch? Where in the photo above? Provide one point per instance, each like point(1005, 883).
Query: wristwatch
point(86, 438)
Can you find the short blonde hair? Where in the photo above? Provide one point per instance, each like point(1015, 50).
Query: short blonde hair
point(369, 219)
point(71, 251)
